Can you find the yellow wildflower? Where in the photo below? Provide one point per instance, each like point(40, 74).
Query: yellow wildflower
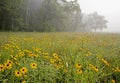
point(113, 81)
point(105, 62)
point(8, 65)
point(117, 69)
point(21, 54)
point(24, 75)
point(79, 71)
point(93, 67)
point(2, 67)
point(14, 57)
point(30, 54)
point(55, 56)
point(23, 70)
point(52, 61)
point(9, 62)
point(33, 65)
point(78, 66)
point(18, 73)
point(24, 81)
point(58, 65)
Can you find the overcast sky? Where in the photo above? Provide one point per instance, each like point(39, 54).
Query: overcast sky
point(109, 8)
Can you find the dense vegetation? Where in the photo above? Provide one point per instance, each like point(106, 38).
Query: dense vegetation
point(59, 58)
point(46, 16)
point(37, 15)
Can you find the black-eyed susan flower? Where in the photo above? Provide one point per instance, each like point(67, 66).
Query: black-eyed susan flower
point(8, 65)
point(23, 70)
point(105, 62)
point(14, 57)
point(30, 54)
point(33, 65)
point(18, 73)
point(79, 71)
point(25, 75)
point(36, 55)
point(21, 54)
point(24, 81)
point(93, 67)
point(58, 65)
point(55, 56)
point(2, 67)
point(52, 61)
point(9, 62)
point(36, 49)
point(78, 65)
point(113, 81)
point(117, 69)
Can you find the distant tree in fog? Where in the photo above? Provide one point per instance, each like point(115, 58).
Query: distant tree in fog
point(96, 21)
point(93, 21)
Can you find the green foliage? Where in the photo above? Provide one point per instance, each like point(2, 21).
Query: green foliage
point(47, 27)
point(38, 15)
point(10, 14)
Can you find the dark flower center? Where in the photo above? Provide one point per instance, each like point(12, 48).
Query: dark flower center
point(18, 73)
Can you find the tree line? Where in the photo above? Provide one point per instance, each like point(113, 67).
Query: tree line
point(47, 16)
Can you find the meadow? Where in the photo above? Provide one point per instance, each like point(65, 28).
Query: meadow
point(32, 57)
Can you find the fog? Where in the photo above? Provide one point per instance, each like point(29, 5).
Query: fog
point(109, 8)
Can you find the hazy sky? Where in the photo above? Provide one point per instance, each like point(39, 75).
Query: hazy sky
point(109, 8)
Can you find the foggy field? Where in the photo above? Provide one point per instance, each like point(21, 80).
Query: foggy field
point(65, 57)
point(59, 41)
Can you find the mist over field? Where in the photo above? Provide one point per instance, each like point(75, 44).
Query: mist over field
point(108, 8)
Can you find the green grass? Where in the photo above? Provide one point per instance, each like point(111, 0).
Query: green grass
point(59, 57)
